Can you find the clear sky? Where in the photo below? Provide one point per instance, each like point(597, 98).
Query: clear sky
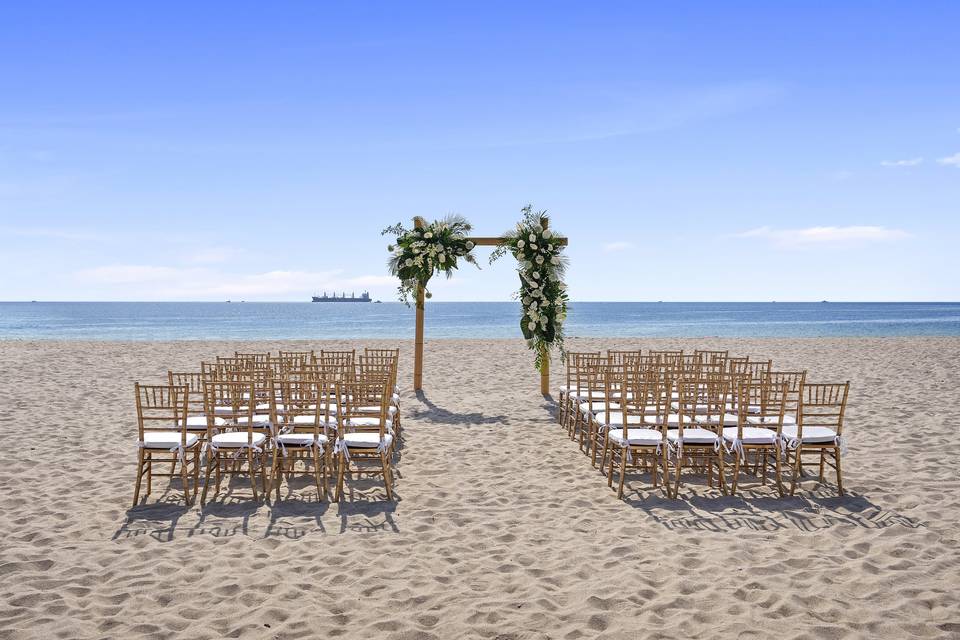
point(701, 151)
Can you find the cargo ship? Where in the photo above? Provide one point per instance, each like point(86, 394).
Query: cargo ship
point(364, 297)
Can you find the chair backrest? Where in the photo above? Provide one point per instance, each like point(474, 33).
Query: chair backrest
point(756, 369)
point(337, 358)
point(193, 381)
point(590, 379)
point(258, 357)
point(355, 399)
point(794, 381)
point(667, 357)
point(766, 400)
point(711, 357)
point(232, 402)
point(622, 357)
point(161, 408)
point(307, 403)
point(822, 405)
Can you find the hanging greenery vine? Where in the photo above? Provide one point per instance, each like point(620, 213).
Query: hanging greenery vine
point(542, 294)
point(421, 252)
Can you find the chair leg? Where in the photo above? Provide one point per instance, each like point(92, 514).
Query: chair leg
point(776, 456)
point(623, 470)
point(796, 470)
point(736, 473)
point(196, 471)
point(149, 463)
point(610, 468)
point(836, 456)
point(676, 486)
point(341, 463)
point(316, 470)
point(136, 490)
point(823, 459)
point(253, 474)
point(275, 480)
point(184, 479)
point(665, 464)
point(212, 459)
point(723, 480)
point(387, 476)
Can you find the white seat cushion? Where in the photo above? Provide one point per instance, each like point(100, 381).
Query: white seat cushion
point(636, 437)
point(199, 423)
point(616, 418)
point(693, 436)
point(751, 435)
point(366, 440)
point(367, 422)
point(770, 420)
point(308, 420)
point(166, 439)
point(811, 435)
point(258, 421)
point(729, 420)
point(300, 439)
point(594, 406)
point(237, 439)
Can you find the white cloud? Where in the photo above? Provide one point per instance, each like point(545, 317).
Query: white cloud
point(204, 283)
point(613, 247)
point(912, 162)
point(951, 160)
point(820, 236)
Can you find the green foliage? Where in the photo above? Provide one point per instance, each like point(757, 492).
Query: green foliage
point(542, 294)
point(420, 253)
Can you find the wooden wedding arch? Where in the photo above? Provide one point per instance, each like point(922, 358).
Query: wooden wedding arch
point(480, 241)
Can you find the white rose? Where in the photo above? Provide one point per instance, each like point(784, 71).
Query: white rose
point(531, 325)
point(520, 244)
point(443, 258)
point(536, 275)
point(470, 245)
point(533, 246)
point(539, 259)
point(533, 238)
point(549, 247)
point(428, 234)
point(408, 262)
point(547, 233)
point(526, 300)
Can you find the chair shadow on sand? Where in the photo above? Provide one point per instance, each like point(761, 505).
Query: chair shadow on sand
point(761, 509)
point(440, 415)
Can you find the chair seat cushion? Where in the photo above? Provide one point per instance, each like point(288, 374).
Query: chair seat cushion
point(301, 439)
point(729, 419)
point(365, 422)
point(616, 418)
point(310, 419)
point(166, 439)
point(811, 435)
point(770, 420)
point(366, 440)
point(693, 436)
point(751, 435)
point(594, 406)
point(237, 439)
point(199, 423)
point(636, 437)
point(259, 421)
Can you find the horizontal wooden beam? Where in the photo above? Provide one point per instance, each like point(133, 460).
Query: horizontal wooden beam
point(487, 241)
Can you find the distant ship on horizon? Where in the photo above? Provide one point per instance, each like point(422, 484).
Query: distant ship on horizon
point(364, 297)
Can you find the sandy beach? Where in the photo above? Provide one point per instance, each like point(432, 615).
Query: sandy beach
point(502, 528)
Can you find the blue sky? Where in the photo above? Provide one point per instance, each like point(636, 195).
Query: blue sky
point(721, 151)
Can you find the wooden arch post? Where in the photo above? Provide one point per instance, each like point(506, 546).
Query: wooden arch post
point(481, 241)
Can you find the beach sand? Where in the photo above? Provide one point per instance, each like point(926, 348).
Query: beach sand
point(502, 530)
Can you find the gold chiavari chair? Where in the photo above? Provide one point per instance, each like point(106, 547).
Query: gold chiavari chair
point(819, 429)
point(364, 442)
point(756, 369)
point(615, 356)
point(303, 432)
point(569, 393)
point(196, 419)
point(763, 442)
point(338, 358)
point(712, 357)
point(632, 440)
point(702, 446)
point(591, 385)
point(164, 438)
point(794, 381)
point(240, 437)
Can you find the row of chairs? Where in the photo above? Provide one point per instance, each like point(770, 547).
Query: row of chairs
point(262, 414)
point(704, 411)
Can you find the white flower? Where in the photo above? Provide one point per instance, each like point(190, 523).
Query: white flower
point(531, 325)
point(408, 262)
point(547, 233)
point(533, 246)
point(443, 258)
point(539, 259)
point(550, 247)
point(555, 259)
point(536, 275)
point(520, 244)
point(526, 300)
point(470, 245)
point(533, 238)
point(428, 234)
point(533, 304)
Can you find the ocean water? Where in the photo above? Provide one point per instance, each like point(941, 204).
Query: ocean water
point(261, 320)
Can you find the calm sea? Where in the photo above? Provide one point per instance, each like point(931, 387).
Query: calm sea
point(249, 320)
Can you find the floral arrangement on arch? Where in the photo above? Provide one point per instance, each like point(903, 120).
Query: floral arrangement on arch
point(542, 294)
point(427, 249)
